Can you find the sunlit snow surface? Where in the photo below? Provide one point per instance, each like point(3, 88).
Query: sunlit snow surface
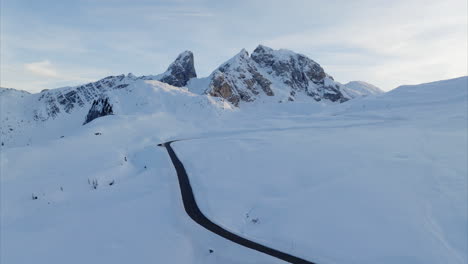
point(375, 180)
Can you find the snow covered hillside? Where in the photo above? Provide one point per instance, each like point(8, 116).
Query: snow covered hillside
point(380, 185)
point(360, 88)
point(33, 118)
point(376, 179)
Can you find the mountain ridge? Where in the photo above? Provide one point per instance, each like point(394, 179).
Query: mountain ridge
point(266, 75)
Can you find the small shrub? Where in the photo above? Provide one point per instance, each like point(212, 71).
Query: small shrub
point(94, 183)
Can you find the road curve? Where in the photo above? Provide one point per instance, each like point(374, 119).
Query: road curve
point(191, 207)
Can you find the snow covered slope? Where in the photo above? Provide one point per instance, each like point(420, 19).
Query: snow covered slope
point(384, 183)
point(447, 97)
point(373, 180)
point(360, 88)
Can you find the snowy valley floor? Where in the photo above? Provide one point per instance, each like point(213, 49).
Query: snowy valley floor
point(376, 180)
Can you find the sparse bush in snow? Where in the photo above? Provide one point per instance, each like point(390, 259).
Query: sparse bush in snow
point(94, 183)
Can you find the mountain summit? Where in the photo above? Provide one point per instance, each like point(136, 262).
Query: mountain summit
point(282, 75)
point(180, 71)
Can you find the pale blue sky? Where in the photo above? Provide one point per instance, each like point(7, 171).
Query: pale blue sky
point(54, 43)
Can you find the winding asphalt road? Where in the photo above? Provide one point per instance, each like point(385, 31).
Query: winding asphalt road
point(194, 212)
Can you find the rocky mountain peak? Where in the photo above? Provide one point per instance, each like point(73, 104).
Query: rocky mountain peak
point(297, 68)
point(262, 48)
point(243, 54)
point(300, 73)
point(180, 71)
point(289, 74)
point(239, 79)
point(131, 76)
point(239, 60)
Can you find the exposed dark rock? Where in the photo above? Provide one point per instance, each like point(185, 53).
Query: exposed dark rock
point(180, 71)
point(220, 87)
point(239, 80)
point(100, 107)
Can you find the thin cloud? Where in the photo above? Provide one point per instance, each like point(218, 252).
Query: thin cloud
point(155, 12)
point(42, 68)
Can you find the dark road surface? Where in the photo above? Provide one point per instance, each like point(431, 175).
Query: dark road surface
point(194, 212)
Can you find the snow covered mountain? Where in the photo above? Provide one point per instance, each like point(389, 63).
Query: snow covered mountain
point(360, 88)
point(180, 71)
point(266, 76)
point(381, 179)
point(280, 74)
point(272, 75)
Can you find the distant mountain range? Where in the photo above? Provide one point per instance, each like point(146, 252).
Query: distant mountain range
point(266, 76)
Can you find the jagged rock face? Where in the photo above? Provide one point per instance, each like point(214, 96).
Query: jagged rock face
point(239, 80)
point(100, 107)
point(245, 78)
point(221, 87)
point(298, 72)
point(180, 71)
point(295, 69)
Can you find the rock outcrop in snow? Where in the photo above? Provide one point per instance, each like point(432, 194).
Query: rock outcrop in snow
point(180, 71)
point(55, 101)
point(100, 107)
